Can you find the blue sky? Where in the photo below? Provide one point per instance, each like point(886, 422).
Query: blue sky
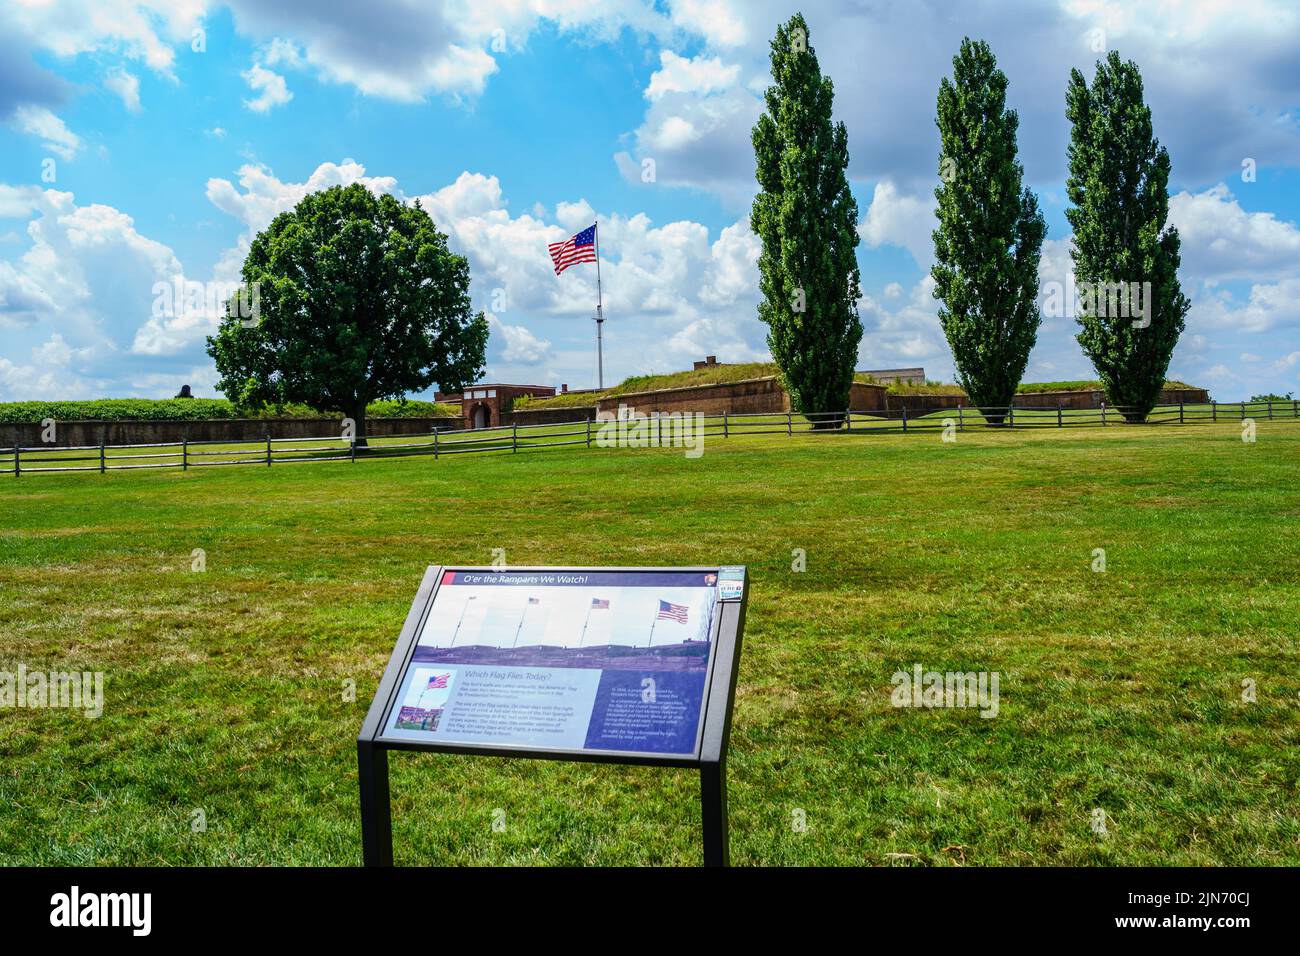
point(141, 142)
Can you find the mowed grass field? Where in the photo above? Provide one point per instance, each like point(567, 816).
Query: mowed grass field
point(227, 690)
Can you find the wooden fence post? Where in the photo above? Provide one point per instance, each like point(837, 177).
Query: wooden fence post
point(1270, 409)
point(18, 468)
point(725, 431)
point(268, 451)
point(185, 453)
point(904, 418)
point(1214, 411)
point(1011, 416)
point(961, 419)
point(588, 432)
point(514, 437)
point(1181, 420)
point(789, 423)
point(1103, 413)
point(352, 443)
point(435, 444)
point(1060, 415)
point(101, 456)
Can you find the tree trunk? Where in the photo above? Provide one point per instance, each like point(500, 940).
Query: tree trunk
point(358, 415)
point(828, 422)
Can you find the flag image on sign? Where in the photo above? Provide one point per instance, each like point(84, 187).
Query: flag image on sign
point(599, 604)
point(575, 249)
point(438, 682)
point(672, 612)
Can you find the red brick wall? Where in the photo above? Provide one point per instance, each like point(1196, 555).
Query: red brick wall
point(1092, 398)
point(74, 433)
point(550, 416)
point(1080, 399)
point(765, 396)
point(864, 397)
point(923, 404)
point(752, 396)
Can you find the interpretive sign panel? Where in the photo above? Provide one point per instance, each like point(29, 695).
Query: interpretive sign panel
point(623, 665)
point(614, 661)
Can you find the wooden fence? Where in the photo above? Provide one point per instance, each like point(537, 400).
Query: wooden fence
point(654, 431)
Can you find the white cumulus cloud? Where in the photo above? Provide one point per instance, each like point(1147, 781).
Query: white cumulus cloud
point(54, 133)
point(126, 86)
point(520, 346)
point(1221, 240)
point(897, 219)
point(270, 87)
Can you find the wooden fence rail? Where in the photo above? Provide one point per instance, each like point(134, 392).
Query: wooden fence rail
point(652, 432)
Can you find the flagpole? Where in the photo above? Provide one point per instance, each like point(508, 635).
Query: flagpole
point(420, 702)
point(652, 629)
point(600, 316)
point(461, 621)
point(527, 604)
point(584, 626)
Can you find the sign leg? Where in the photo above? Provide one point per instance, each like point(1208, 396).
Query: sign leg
point(713, 801)
point(376, 812)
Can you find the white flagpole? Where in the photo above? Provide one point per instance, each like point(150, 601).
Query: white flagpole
point(600, 315)
point(461, 621)
point(527, 605)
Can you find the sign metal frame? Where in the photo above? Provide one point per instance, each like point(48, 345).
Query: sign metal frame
point(713, 734)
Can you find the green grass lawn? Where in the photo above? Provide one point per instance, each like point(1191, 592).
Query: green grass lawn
point(226, 690)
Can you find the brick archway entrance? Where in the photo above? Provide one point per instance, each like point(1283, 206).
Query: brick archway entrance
point(487, 405)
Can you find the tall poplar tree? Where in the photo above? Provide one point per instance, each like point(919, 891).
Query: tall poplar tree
point(990, 233)
point(807, 221)
point(1119, 185)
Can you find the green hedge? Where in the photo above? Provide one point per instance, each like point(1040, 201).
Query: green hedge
point(1028, 387)
point(565, 400)
point(194, 409)
point(929, 388)
point(409, 409)
point(1025, 388)
point(720, 374)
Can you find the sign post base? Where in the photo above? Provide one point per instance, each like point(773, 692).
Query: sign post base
point(376, 810)
point(713, 803)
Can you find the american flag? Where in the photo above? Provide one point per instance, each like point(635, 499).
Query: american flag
point(579, 248)
point(599, 604)
point(534, 601)
point(671, 612)
point(439, 682)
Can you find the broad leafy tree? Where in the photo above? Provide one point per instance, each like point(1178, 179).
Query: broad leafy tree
point(806, 219)
point(990, 233)
point(354, 297)
point(1123, 246)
